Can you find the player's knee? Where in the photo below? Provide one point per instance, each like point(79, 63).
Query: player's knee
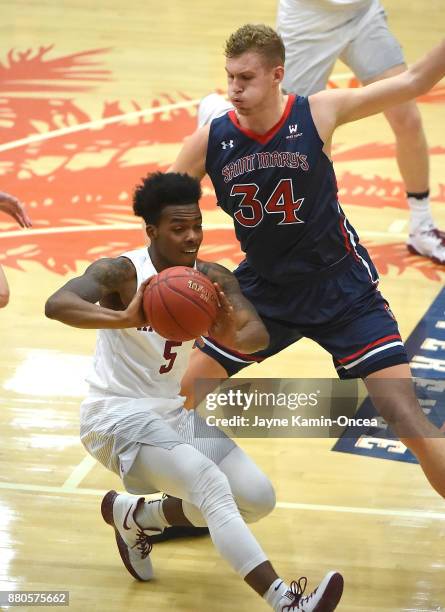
point(405, 119)
point(258, 500)
point(211, 488)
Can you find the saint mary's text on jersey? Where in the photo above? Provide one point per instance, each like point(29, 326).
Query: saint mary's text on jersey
point(266, 159)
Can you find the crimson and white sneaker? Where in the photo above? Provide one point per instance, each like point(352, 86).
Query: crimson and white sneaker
point(429, 242)
point(133, 541)
point(211, 107)
point(324, 598)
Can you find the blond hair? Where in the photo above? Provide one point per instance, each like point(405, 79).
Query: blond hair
point(259, 38)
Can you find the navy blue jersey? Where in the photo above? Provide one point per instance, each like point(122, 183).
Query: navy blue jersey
point(281, 191)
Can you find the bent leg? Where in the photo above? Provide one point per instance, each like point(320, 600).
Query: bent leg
point(392, 393)
point(251, 488)
point(185, 473)
point(253, 491)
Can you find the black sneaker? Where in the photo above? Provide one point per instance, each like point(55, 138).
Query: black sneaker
point(175, 532)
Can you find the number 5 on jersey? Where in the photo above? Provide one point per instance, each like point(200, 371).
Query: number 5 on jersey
point(169, 355)
point(281, 201)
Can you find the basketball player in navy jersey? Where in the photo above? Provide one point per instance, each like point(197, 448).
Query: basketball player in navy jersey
point(10, 205)
point(305, 270)
point(133, 420)
point(315, 34)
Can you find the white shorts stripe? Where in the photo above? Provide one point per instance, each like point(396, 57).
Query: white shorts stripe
point(232, 357)
point(354, 246)
point(369, 354)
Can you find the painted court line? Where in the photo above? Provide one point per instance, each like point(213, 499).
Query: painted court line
point(390, 512)
point(397, 226)
point(97, 123)
point(79, 473)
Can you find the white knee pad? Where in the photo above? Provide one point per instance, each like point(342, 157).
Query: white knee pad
point(257, 500)
point(212, 495)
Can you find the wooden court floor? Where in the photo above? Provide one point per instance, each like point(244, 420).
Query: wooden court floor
point(66, 66)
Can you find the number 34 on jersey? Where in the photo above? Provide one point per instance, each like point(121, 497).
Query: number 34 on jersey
point(281, 202)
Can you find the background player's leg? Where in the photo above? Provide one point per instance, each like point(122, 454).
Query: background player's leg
point(392, 393)
point(412, 147)
point(375, 54)
point(313, 40)
point(4, 289)
point(413, 163)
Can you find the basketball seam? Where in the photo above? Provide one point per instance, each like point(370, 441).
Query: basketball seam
point(170, 313)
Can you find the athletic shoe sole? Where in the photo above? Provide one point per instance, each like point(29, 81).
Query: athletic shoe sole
point(106, 509)
point(414, 251)
point(332, 594)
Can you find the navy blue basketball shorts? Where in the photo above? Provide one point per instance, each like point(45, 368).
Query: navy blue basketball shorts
point(344, 313)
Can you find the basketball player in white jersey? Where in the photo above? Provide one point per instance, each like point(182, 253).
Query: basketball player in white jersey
point(15, 209)
point(133, 420)
point(318, 32)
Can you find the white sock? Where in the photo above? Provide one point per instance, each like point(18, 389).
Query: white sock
point(152, 515)
point(421, 218)
point(275, 592)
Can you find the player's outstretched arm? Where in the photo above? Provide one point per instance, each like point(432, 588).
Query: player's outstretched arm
point(192, 157)
point(334, 107)
point(238, 325)
point(106, 281)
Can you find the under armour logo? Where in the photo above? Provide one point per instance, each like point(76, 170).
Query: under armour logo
point(225, 144)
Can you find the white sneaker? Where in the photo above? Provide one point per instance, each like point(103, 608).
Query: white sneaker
point(323, 599)
point(133, 542)
point(211, 107)
point(429, 242)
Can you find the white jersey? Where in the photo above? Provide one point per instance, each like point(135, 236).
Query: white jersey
point(138, 363)
point(134, 395)
point(347, 3)
point(310, 6)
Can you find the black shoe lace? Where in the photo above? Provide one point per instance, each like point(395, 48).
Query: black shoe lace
point(297, 589)
point(143, 544)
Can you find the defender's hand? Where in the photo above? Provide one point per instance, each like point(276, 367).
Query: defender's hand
point(224, 328)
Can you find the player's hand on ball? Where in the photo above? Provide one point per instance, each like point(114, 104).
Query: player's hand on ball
point(224, 328)
point(134, 313)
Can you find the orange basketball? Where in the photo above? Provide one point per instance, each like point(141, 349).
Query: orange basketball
point(180, 303)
